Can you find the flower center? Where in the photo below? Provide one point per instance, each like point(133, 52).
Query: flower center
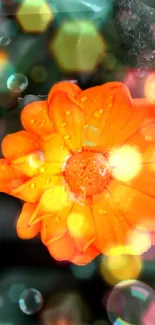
point(86, 173)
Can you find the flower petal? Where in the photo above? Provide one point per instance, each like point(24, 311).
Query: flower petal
point(138, 208)
point(68, 120)
point(10, 177)
point(103, 106)
point(68, 87)
point(111, 228)
point(86, 257)
point(120, 113)
point(18, 144)
point(63, 248)
point(54, 227)
point(55, 151)
point(32, 190)
point(142, 113)
point(54, 200)
point(35, 118)
point(81, 227)
point(24, 230)
point(30, 164)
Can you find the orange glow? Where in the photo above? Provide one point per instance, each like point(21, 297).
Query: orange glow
point(149, 87)
point(84, 168)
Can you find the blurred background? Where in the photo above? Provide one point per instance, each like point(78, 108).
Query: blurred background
point(88, 42)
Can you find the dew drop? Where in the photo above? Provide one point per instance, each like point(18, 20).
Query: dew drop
point(49, 180)
point(68, 112)
point(3, 167)
point(83, 99)
point(63, 124)
point(102, 211)
point(98, 113)
point(33, 121)
point(67, 137)
point(32, 185)
point(42, 169)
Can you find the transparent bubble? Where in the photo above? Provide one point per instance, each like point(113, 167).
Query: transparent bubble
point(17, 83)
point(130, 302)
point(31, 301)
point(4, 41)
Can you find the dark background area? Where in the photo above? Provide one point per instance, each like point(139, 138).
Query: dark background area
point(128, 29)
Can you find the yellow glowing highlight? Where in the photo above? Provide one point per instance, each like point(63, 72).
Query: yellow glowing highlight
point(125, 163)
point(120, 268)
point(75, 223)
point(34, 16)
point(149, 87)
point(54, 200)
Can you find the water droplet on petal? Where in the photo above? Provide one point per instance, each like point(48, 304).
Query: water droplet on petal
point(68, 112)
point(63, 124)
point(67, 137)
point(49, 180)
point(83, 99)
point(98, 113)
point(33, 185)
point(33, 121)
point(42, 169)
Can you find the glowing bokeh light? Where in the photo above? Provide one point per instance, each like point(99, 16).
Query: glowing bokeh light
point(6, 69)
point(129, 303)
point(39, 73)
point(149, 87)
point(119, 268)
point(125, 163)
point(78, 46)
point(34, 16)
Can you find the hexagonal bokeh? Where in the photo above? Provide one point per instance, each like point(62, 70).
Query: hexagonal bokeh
point(78, 46)
point(34, 16)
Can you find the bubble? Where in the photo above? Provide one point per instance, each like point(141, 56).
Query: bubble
point(17, 82)
point(130, 302)
point(4, 41)
point(31, 301)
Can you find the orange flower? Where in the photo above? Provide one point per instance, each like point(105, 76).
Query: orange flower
point(85, 167)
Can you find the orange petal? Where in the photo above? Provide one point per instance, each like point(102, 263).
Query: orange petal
point(63, 248)
point(103, 106)
point(54, 201)
point(111, 228)
point(55, 152)
point(142, 112)
point(30, 164)
point(120, 113)
point(54, 227)
point(10, 178)
point(86, 257)
point(68, 87)
point(32, 190)
point(18, 144)
point(35, 118)
point(68, 120)
point(24, 230)
point(81, 227)
point(138, 208)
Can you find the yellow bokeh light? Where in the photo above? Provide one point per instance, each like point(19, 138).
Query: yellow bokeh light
point(125, 163)
point(34, 16)
point(78, 46)
point(139, 242)
point(75, 223)
point(120, 268)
